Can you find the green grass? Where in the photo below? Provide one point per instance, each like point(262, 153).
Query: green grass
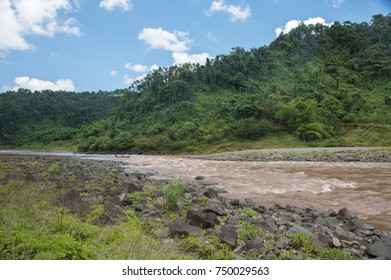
point(31, 228)
point(172, 193)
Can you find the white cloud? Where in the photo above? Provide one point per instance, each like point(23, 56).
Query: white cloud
point(295, 23)
point(113, 73)
point(337, 3)
point(181, 58)
point(33, 17)
point(237, 13)
point(35, 84)
point(136, 68)
point(157, 38)
point(111, 5)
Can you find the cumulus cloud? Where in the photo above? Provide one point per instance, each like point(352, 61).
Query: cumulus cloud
point(34, 17)
point(337, 3)
point(295, 23)
point(113, 73)
point(237, 12)
point(111, 5)
point(136, 68)
point(182, 58)
point(36, 84)
point(158, 38)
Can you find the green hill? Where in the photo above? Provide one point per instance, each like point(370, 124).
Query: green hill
point(317, 85)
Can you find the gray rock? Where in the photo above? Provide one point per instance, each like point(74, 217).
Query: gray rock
point(111, 215)
point(199, 177)
point(299, 229)
point(132, 187)
point(266, 225)
point(235, 202)
point(180, 228)
point(380, 249)
point(213, 206)
point(282, 242)
point(210, 193)
point(228, 235)
point(345, 214)
point(71, 200)
point(202, 219)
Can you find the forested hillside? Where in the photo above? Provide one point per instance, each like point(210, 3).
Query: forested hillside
point(318, 83)
point(40, 118)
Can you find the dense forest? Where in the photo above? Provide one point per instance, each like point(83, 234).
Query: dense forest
point(316, 84)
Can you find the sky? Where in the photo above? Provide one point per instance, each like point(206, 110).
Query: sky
point(81, 45)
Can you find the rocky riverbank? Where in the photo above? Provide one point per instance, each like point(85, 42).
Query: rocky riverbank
point(199, 220)
point(352, 154)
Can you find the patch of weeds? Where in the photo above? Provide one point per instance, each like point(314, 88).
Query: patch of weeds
point(173, 217)
point(54, 167)
point(210, 249)
point(250, 212)
point(203, 199)
point(302, 243)
point(249, 232)
point(172, 193)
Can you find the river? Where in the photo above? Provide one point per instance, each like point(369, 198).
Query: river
point(364, 188)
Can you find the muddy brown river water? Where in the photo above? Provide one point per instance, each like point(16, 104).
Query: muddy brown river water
point(364, 188)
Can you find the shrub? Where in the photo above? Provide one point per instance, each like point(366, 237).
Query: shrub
point(172, 193)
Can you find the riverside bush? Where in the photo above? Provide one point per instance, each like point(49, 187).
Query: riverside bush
point(172, 193)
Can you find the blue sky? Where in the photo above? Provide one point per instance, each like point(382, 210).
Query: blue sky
point(106, 44)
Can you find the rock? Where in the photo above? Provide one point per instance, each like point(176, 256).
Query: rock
point(324, 236)
point(343, 234)
point(228, 236)
point(266, 225)
point(345, 214)
point(199, 178)
point(380, 249)
point(282, 242)
point(256, 244)
point(260, 208)
point(132, 187)
point(210, 193)
point(121, 200)
point(213, 206)
point(331, 213)
point(71, 200)
point(235, 202)
point(180, 228)
point(352, 225)
point(336, 242)
point(111, 215)
point(299, 229)
point(202, 219)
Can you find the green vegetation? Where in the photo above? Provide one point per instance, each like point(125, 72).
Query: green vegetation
point(213, 249)
point(33, 228)
point(172, 193)
point(302, 243)
point(315, 86)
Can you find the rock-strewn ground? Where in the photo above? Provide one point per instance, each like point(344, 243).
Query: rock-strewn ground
point(307, 154)
point(201, 221)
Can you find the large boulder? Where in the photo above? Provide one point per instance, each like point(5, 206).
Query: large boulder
point(180, 228)
point(345, 214)
point(380, 249)
point(213, 206)
point(228, 236)
point(73, 201)
point(202, 219)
